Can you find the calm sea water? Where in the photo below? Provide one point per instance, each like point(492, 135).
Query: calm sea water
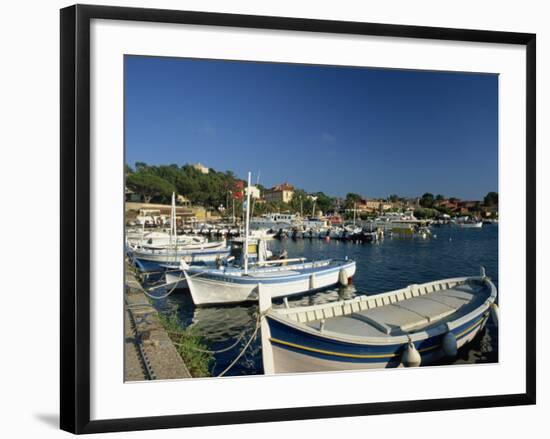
point(386, 265)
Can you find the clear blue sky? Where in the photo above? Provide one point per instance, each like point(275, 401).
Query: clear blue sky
point(321, 128)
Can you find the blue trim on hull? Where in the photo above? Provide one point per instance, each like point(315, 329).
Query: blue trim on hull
point(303, 274)
point(381, 354)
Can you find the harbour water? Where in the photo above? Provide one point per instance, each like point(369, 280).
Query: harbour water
point(385, 265)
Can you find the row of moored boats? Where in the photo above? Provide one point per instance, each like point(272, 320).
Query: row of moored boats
point(415, 325)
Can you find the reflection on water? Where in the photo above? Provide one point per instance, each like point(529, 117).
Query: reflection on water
point(387, 265)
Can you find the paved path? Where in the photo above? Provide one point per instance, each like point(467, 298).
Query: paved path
point(149, 352)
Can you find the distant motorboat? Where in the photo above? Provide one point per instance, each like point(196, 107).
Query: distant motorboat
point(468, 223)
point(413, 326)
point(473, 225)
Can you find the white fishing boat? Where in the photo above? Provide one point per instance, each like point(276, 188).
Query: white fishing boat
point(413, 326)
point(262, 234)
point(470, 225)
point(162, 239)
point(233, 285)
point(149, 257)
point(273, 221)
point(280, 278)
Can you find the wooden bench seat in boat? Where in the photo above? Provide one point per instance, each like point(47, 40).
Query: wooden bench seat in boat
point(403, 316)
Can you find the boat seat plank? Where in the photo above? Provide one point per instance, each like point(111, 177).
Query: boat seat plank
point(427, 308)
point(394, 317)
point(348, 325)
point(383, 317)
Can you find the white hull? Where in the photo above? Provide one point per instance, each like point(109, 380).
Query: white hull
point(176, 281)
point(207, 252)
point(470, 225)
point(209, 291)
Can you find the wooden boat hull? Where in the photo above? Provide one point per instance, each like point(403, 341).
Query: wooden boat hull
point(430, 321)
point(149, 261)
point(208, 290)
point(302, 355)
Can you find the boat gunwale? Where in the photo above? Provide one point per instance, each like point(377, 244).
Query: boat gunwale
point(221, 277)
point(282, 316)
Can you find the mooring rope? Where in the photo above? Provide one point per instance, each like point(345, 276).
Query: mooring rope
point(164, 296)
point(252, 337)
point(206, 351)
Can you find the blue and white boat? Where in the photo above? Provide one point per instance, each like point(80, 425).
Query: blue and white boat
point(413, 326)
point(148, 260)
point(171, 251)
point(210, 286)
point(278, 278)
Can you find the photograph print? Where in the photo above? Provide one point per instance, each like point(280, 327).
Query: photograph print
point(292, 218)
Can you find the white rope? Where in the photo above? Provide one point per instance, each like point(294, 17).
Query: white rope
point(206, 351)
point(237, 358)
point(164, 296)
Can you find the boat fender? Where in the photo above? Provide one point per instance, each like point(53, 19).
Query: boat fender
point(322, 325)
point(482, 272)
point(449, 345)
point(343, 277)
point(495, 313)
point(410, 356)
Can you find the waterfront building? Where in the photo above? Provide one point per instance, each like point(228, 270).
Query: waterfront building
point(254, 192)
point(282, 193)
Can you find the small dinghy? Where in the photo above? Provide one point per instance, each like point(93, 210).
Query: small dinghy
point(413, 326)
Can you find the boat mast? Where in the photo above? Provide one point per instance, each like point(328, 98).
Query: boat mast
point(354, 212)
point(247, 220)
point(173, 230)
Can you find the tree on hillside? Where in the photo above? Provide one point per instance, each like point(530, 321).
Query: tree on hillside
point(491, 199)
point(394, 198)
point(140, 166)
point(324, 203)
point(351, 199)
point(149, 186)
point(427, 200)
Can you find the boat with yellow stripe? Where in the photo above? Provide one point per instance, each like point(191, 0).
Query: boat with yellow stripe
point(412, 326)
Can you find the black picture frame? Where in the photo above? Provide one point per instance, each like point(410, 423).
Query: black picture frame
point(75, 217)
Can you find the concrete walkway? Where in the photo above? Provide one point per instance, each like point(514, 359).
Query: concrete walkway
point(148, 350)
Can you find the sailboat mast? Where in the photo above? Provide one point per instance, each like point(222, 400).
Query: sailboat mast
point(246, 225)
point(173, 232)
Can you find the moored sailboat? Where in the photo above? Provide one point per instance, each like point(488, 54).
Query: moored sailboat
point(280, 278)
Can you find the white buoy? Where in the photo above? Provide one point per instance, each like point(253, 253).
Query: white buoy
point(482, 272)
point(495, 313)
point(449, 345)
point(343, 277)
point(411, 357)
